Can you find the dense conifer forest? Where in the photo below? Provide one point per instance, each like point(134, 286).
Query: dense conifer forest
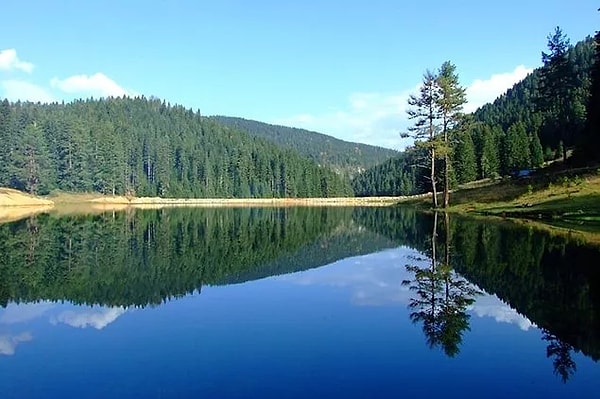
point(144, 147)
point(344, 157)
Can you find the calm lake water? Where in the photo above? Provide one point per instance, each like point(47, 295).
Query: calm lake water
point(285, 303)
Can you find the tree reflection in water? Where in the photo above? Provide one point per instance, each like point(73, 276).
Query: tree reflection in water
point(560, 353)
point(441, 296)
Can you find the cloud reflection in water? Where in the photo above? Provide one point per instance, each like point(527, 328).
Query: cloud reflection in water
point(376, 279)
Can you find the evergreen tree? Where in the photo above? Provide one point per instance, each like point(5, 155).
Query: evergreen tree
point(535, 149)
point(489, 158)
point(557, 88)
point(5, 141)
point(517, 153)
point(425, 111)
point(450, 103)
point(465, 163)
point(30, 162)
point(135, 146)
point(589, 148)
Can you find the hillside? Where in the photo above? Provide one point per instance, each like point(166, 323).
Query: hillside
point(520, 103)
point(342, 156)
point(142, 147)
point(394, 177)
point(513, 133)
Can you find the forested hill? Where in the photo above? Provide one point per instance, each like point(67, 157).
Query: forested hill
point(144, 147)
point(344, 157)
point(521, 103)
point(521, 129)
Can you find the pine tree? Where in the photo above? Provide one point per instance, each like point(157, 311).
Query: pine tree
point(465, 163)
point(450, 103)
point(425, 112)
point(5, 141)
point(518, 155)
point(535, 148)
point(557, 88)
point(30, 168)
point(589, 149)
point(489, 161)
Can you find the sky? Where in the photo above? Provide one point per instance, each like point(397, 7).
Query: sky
point(343, 68)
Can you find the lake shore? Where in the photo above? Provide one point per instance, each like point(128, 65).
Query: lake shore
point(571, 197)
point(143, 202)
point(15, 205)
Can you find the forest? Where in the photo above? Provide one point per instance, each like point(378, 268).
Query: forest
point(346, 158)
point(145, 147)
point(548, 116)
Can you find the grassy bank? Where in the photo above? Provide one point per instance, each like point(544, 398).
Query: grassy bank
point(564, 195)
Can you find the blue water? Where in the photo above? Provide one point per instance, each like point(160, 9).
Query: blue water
point(340, 330)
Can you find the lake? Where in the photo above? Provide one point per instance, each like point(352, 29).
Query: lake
point(295, 302)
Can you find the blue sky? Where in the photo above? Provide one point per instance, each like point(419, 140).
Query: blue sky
point(343, 68)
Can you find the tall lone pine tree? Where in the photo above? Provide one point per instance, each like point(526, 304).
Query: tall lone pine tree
point(450, 103)
point(425, 111)
point(437, 111)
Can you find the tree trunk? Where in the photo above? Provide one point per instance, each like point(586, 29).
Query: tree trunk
point(446, 183)
point(446, 166)
point(434, 190)
point(433, 264)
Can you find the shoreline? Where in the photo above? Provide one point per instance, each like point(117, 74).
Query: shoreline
point(240, 202)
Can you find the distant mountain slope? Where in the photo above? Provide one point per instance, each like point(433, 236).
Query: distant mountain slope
point(344, 242)
point(343, 156)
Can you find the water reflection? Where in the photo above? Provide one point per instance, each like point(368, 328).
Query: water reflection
point(90, 272)
point(441, 296)
point(96, 318)
point(491, 306)
point(9, 343)
point(561, 354)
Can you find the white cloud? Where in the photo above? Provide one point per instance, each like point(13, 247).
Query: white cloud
point(481, 92)
point(379, 118)
point(97, 84)
point(374, 279)
point(8, 343)
point(10, 61)
point(491, 306)
point(98, 319)
point(16, 90)
point(20, 313)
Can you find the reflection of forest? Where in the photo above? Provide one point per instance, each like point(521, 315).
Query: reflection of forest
point(147, 257)
point(552, 280)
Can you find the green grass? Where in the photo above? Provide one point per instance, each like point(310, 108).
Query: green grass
point(571, 195)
